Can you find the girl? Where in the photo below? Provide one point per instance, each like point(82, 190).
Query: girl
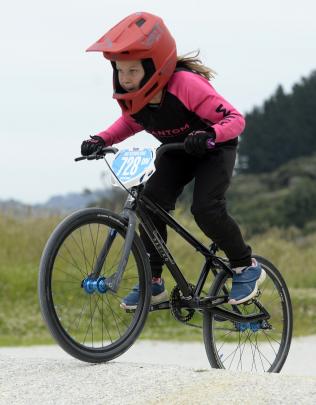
point(171, 98)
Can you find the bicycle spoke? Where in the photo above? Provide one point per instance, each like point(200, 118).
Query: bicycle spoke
point(116, 297)
point(129, 278)
point(81, 314)
point(82, 251)
point(262, 354)
point(116, 261)
point(103, 324)
point(88, 264)
point(232, 353)
point(73, 265)
point(68, 275)
point(272, 338)
point(67, 282)
point(108, 332)
point(240, 354)
point(90, 320)
point(113, 314)
point(253, 352)
point(269, 341)
point(94, 246)
point(229, 333)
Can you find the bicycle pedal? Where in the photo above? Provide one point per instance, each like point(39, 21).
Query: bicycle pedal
point(253, 299)
point(161, 305)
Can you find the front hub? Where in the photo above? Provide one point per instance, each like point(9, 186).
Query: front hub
point(91, 285)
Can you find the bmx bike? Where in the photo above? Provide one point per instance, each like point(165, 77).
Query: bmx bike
point(94, 257)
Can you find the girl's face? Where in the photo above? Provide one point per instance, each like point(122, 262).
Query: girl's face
point(130, 74)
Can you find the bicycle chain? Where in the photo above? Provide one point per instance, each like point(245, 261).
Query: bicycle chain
point(175, 306)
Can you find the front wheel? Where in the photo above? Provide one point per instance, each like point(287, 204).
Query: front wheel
point(87, 322)
point(258, 346)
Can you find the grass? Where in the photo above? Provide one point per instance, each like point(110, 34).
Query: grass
point(22, 241)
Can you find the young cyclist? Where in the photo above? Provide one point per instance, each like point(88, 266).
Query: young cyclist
point(171, 98)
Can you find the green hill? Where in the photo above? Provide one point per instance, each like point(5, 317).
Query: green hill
point(22, 241)
point(283, 198)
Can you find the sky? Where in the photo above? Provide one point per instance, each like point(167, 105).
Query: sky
point(53, 94)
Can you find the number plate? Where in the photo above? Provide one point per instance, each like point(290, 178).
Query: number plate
point(133, 166)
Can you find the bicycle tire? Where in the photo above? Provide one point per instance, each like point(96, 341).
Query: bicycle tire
point(64, 304)
point(267, 349)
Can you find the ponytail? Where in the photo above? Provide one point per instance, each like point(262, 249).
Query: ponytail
point(194, 64)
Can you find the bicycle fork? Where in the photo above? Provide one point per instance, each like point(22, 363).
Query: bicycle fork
point(96, 283)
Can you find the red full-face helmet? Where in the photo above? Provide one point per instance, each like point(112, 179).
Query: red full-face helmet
point(140, 36)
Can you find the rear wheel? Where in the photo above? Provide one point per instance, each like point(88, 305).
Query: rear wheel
point(258, 346)
point(87, 322)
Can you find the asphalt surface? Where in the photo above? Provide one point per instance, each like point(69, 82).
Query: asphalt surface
point(152, 372)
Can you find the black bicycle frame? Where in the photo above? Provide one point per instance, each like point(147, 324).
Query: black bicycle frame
point(144, 207)
point(138, 205)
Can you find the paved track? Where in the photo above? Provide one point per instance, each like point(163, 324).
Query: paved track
point(151, 372)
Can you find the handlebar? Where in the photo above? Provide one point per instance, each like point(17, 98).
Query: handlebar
point(110, 149)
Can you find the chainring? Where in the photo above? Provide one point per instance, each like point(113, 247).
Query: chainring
point(180, 314)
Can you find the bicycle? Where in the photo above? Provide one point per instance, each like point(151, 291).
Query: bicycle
point(94, 257)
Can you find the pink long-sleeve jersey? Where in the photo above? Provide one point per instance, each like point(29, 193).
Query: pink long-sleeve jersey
point(189, 103)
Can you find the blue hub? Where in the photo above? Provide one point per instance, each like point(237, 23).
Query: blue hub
point(253, 326)
point(91, 285)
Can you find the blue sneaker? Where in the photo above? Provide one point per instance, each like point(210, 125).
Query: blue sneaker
point(245, 284)
point(158, 291)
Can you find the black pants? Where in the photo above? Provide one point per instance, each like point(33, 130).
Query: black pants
point(212, 174)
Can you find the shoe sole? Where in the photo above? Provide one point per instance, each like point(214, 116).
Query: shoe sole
point(155, 299)
point(253, 294)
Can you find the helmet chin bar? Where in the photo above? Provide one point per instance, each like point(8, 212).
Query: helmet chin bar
point(133, 102)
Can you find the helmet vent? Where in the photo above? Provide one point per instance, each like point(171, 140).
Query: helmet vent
point(140, 22)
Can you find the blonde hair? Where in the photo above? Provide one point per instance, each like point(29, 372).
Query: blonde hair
point(195, 64)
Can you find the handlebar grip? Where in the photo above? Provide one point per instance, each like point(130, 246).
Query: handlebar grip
point(80, 158)
point(99, 154)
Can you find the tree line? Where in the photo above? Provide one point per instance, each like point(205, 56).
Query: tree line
point(283, 128)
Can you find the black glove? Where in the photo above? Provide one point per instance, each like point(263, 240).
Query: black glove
point(197, 143)
point(92, 145)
